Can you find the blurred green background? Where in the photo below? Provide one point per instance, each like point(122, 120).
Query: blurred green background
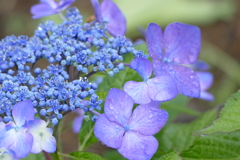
point(219, 21)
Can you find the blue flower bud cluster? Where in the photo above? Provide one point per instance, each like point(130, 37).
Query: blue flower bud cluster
point(74, 52)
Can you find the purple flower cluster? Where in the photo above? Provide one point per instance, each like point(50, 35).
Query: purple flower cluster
point(25, 134)
point(75, 51)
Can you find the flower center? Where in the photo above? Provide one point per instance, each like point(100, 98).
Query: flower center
point(127, 128)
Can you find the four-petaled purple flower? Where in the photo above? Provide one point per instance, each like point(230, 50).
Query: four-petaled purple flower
point(159, 88)
point(178, 46)
point(49, 7)
point(25, 134)
point(116, 20)
point(130, 133)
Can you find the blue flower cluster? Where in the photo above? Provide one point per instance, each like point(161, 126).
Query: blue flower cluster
point(73, 50)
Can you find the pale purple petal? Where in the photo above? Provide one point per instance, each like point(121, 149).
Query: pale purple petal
point(182, 43)
point(7, 154)
point(42, 10)
point(63, 4)
point(50, 3)
point(162, 88)
point(22, 142)
point(138, 147)
point(42, 137)
point(117, 21)
point(155, 41)
point(77, 122)
point(206, 96)
point(138, 91)
point(108, 132)
point(143, 66)
point(49, 142)
point(5, 139)
point(155, 104)
point(22, 112)
point(200, 65)
point(160, 68)
point(147, 120)
point(118, 106)
point(206, 80)
point(1, 119)
point(97, 10)
point(186, 80)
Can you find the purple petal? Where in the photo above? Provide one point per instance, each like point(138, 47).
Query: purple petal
point(77, 122)
point(108, 132)
point(50, 3)
point(155, 41)
point(155, 104)
point(1, 119)
point(138, 147)
point(138, 91)
point(147, 120)
point(182, 43)
point(200, 65)
point(162, 88)
point(22, 112)
point(7, 154)
point(118, 106)
point(117, 21)
point(143, 66)
point(186, 80)
point(63, 4)
point(5, 139)
point(160, 68)
point(206, 80)
point(42, 137)
point(206, 96)
point(97, 10)
point(42, 10)
point(22, 142)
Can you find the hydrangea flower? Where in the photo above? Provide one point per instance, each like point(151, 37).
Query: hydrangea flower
point(26, 134)
point(179, 45)
point(42, 137)
point(159, 88)
point(7, 154)
point(49, 7)
point(130, 133)
point(77, 122)
point(17, 130)
point(109, 10)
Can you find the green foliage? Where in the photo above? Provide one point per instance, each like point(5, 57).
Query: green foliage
point(86, 135)
point(85, 156)
point(229, 119)
point(180, 136)
point(177, 106)
point(218, 146)
point(113, 155)
point(31, 156)
point(172, 155)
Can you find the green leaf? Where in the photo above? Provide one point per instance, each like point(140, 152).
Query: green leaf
point(113, 155)
point(86, 135)
point(172, 155)
point(85, 156)
point(229, 119)
point(179, 135)
point(32, 156)
point(218, 146)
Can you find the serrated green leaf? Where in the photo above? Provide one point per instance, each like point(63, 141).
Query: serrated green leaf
point(172, 155)
point(217, 146)
point(86, 135)
point(32, 156)
point(85, 156)
point(180, 136)
point(229, 119)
